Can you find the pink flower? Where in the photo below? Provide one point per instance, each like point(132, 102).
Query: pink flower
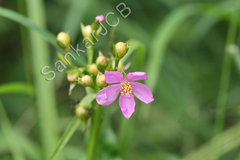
point(100, 18)
point(109, 94)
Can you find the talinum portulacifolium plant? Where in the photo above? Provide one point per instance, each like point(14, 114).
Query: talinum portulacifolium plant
point(105, 79)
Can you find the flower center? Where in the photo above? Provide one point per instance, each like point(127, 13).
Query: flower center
point(126, 88)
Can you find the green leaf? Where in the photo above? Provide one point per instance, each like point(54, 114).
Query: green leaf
point(29, 24)
point(48, 36)
point(16, 87)
point(162, 37)
point(12, 141)
point(86, 102)
point(65, 137)
point(227, 141)
point(72, 86)
point(44, 93)
point(135, 47)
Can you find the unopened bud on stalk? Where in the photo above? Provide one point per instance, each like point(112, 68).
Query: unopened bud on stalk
point(99, 18)
point(102, 63)
point(102, 60)
point(96, 24)
point(86, 31)
point(120, 66)
point(63, 40)
point(121, 50)
point(83, 114)
point(93, 69)
point(73, 77)
point(86, 81)
point(101, 81)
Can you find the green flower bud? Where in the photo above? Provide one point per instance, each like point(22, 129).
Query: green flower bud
point(120, 66)
point(102, 63)
point(86, 31)
point(121, 49)
point(63, 40)
point(73, 77)
point(93, 69)
point(102, 60)
point(101, 81)
point(83, 114)
point(86, 81)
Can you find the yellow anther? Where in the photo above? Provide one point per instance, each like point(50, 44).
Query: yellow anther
point(126, 88)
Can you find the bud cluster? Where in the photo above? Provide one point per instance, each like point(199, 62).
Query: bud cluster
point(93, 74)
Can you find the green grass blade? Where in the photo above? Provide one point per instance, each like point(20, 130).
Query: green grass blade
point(16, 87)
point(225, 75)
point(159, 43)
point(44, 90)
point(29, 24)
point(65, 137)
point(12, 140)
point(48, 36)
point(228, 141)
point(236, 58)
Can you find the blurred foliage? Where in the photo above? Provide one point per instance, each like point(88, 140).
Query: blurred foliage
point(179, 43)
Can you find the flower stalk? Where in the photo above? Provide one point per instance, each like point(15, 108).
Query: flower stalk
point(94, 131)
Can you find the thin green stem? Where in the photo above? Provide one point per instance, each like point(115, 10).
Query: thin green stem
point(9, 134)
point(72, 127)
point(112, 40)
point(125, 135)
point(90, 55)
point(225, 76)
point(116, 63)
point(94, 131)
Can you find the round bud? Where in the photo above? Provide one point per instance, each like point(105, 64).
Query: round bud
point(64, 40)
point(83, 114)
point(101, 81)
point(93, 69)
point(102, 60)
point(120, 66)
point(87, 30)
point(121, 49)
point(72, 77)
point(86, 81)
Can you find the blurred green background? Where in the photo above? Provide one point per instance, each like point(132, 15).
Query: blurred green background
point(189, 50)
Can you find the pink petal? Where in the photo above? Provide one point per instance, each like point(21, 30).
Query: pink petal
point(142, 92)
point(100, 18)
point(127, 105)
point(113, 77)
point(134, 76)
point(108, 95)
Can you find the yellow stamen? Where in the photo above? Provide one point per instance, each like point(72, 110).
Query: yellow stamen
point(126, 88)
